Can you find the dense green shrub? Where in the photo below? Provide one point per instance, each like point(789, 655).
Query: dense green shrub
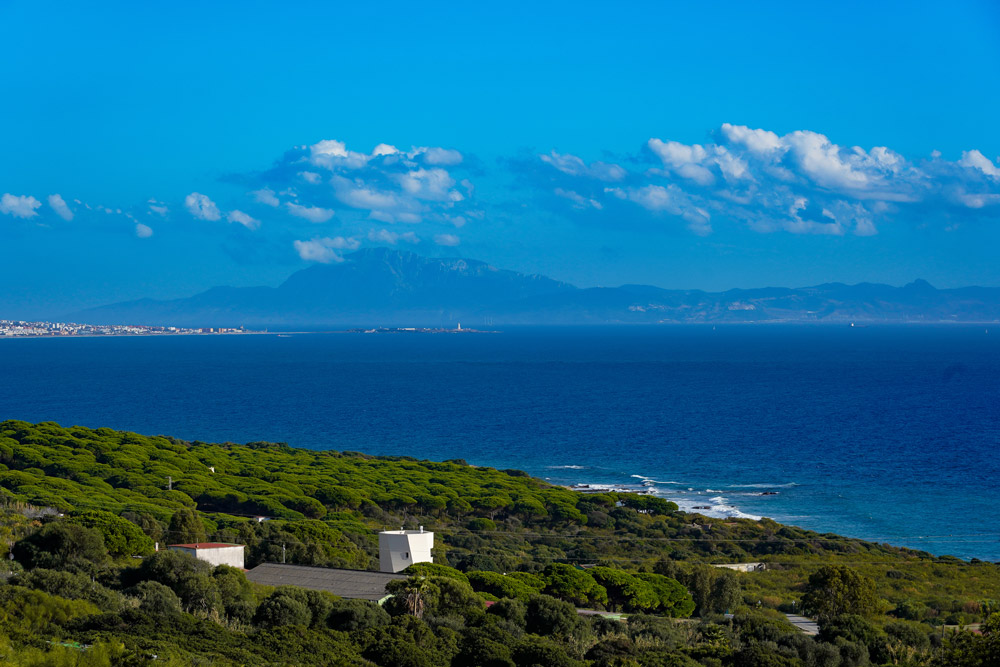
point(351, 615)
point(121, 537)
point(155, 598)
point(63, 545)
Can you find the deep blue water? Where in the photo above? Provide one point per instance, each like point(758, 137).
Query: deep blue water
point(885, 433)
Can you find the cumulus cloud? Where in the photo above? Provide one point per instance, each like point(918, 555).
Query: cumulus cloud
point(575, 166)
point(201, 207)
point(392, 238)
point(19, 206)
point(669, 199)
point(976, 160)
point(441, 156)
point(432, 184)
point(688, 161)
point(388, 184)
point(801, 182)
point(243, 219)
point(58, 204)
point(310, 213)
point(325, 250)
point(383, 205)
point(143, 231)
point(446, 240)
point(760, 142)
point(265, 196)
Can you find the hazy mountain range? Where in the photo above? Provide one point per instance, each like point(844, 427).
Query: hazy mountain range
point(385, 287)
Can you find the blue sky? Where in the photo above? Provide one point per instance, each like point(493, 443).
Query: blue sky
point(158, 149)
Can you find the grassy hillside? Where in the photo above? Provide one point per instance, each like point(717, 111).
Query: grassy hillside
point(501, 535)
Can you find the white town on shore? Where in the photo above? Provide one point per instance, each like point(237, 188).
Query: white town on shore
point(21, 328)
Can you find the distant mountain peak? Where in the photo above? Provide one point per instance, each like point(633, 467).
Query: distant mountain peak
point(394, 287)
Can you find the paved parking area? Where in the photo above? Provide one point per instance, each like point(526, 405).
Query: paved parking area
point(804, 624)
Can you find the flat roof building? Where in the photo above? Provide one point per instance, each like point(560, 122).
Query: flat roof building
point(399, 549)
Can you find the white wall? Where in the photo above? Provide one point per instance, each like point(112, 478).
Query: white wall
point(398, 549)
point(232, 555)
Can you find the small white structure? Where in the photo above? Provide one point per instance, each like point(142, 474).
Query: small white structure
point(398, 549)
point(742, 567)
point(214, 553)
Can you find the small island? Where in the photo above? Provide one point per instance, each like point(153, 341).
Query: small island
point(431, 330)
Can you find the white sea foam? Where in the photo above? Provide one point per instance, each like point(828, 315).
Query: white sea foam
point(719, 510)
point(655, 481)
point(565, 467)
point(716, 506)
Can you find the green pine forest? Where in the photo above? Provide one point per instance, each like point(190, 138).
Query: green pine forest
point(515, 557)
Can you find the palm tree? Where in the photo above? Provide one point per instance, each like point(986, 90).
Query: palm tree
point(415, 596)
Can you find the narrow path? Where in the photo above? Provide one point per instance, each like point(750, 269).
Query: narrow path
point(804, 624)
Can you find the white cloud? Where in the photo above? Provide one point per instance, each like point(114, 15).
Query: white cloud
point(432, 184)
point(384, 149)
point(670, 199)
point(201, 207)
point(392, 238)
point(695, 162)
point(392, 185)
point(384, 205)
point(243, 219)
point(822, 161)
point(143, 231)
point(442, 156)
point(754, 176)
point(976, 160)
point(157, 207)
point(333, 154)
point(58, 204)
point(19, 206)
point(325, 250)
point(447, 240)
point(310, 213)
point(578, 199)
point(761, 142)
point(265, 196)
point(575, 166)
point(978, 200)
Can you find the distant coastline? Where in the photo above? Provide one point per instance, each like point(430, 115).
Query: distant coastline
point(44, 329)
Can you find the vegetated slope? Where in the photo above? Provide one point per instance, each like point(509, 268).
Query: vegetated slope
point(513, 539)
point(79, 468)
point(381, 287)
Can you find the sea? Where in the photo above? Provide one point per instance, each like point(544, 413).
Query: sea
point(886, 433)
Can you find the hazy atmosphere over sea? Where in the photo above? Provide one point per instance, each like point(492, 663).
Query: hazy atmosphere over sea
point(886, 433)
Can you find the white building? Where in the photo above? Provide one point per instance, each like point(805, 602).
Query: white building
point(214, 553)
point(398, 549)
point(742, 567)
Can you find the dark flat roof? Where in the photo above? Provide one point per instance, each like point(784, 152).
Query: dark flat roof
point(354, 584)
